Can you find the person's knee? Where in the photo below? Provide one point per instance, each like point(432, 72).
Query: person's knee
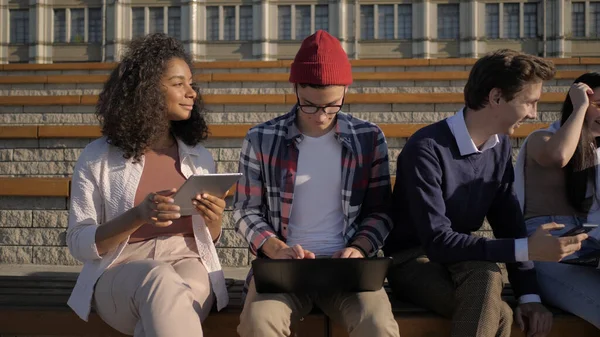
point(162, 278)
point(486, 276)
point(375, 316)
point(377, 323)
point(506, 313)
point(380, 321)
point(202, 292)
point(261, 319)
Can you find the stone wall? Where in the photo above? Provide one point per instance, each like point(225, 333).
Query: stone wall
point(32, 229)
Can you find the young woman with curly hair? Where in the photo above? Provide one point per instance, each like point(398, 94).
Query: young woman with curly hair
point(148, 271)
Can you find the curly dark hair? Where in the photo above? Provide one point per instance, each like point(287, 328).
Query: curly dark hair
point(132, 108)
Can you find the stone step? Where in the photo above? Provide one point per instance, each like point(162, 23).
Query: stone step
point(239, 113)
point(51, 151)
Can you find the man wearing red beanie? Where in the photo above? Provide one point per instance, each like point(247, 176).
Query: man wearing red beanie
point(316, 182)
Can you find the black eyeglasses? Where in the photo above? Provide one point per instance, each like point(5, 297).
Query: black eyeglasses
point(313, 109)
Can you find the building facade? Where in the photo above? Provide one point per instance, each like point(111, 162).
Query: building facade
point(46, 31)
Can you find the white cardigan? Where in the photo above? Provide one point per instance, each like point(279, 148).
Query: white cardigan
point(103, 187)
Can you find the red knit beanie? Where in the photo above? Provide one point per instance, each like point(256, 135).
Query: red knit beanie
point(321, 60)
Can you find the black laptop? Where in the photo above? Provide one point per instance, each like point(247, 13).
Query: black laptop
point(320, 275)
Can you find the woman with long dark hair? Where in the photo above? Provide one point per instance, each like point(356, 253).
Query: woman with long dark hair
point(148, 271)
point(556, 181)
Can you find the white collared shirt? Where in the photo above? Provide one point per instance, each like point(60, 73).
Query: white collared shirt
point(466, 146)
point(465, 143)
point(103, 187)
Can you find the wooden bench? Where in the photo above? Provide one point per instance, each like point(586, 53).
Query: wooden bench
point(395, 62)
point(216, 130)
point(60, 187)
point(263, 99)
point(270, 77)
point(36, 305)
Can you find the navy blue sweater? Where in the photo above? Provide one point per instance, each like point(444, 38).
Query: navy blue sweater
point(441, 197)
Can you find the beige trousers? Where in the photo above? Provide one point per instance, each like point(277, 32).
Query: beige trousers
point(364, 314)
point(157, 288)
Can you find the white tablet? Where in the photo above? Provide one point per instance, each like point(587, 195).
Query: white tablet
point(214, 184)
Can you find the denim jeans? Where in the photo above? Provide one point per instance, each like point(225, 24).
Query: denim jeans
point(572, 288)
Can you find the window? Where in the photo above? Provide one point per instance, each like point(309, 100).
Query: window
point(448, 16)
point(60, 25)
point(174, 23)
point(78, 25)
point(367, 22)
point(405, 22)
point(578, 19)
point(530, 20)
point(19, 26)
point(212, 23)
point(322, 17)
point(94, 25)
point(228, 23)
point(302, 22)
point(157, 20)
point(595, 19)
point(511, 20)
point(386, 22)
point(246, 27)
point(137, 21)
point(284, 14)
point(492, 21)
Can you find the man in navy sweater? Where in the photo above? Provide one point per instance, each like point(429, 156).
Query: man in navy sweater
point(450, 176)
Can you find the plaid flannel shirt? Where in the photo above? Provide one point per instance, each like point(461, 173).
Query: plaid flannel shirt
point(269, 160)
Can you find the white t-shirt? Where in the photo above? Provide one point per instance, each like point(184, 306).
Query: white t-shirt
point(317, 219)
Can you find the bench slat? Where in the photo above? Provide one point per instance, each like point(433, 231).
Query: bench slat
point(392, 62)
point(416, 76)
point(51, 187)
point(404, 130)
point(355, 98)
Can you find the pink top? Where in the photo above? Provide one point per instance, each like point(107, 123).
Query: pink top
point(162, 171)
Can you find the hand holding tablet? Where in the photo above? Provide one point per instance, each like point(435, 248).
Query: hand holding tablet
point(214, 184)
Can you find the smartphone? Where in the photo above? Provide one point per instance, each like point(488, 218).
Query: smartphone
point(580, 230)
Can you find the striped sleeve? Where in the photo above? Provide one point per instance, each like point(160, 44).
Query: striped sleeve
point(375, 224)
point(249, 201)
